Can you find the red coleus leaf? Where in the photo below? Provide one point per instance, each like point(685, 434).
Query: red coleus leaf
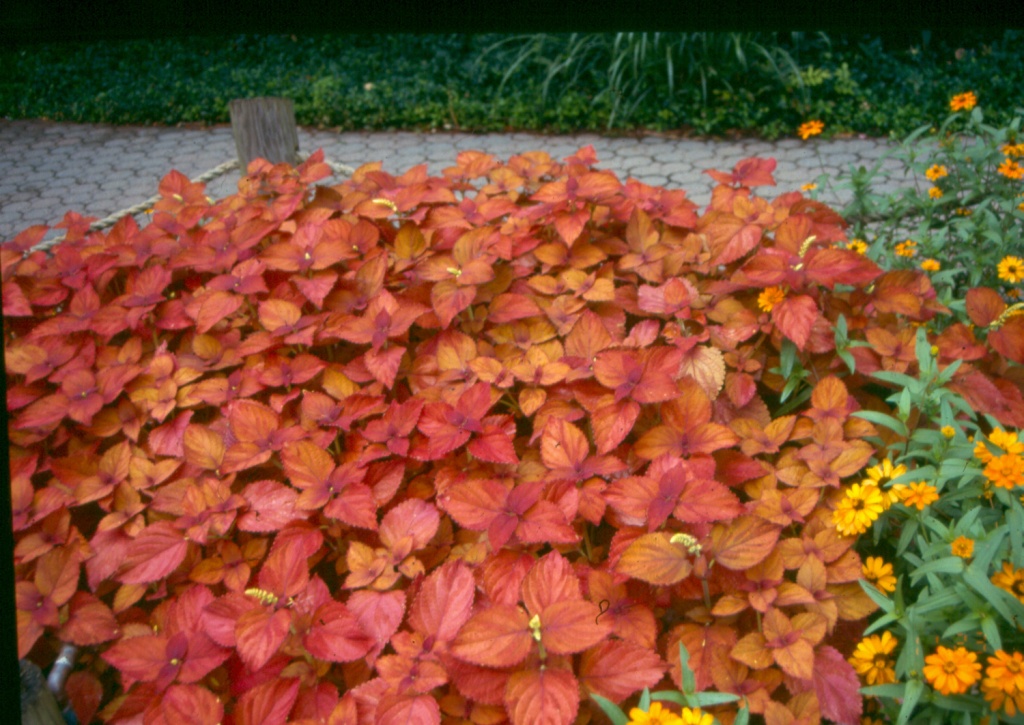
point(837, 686)
point(405, 710)
point(336, 635)
point(186, 703)
point(259, 633)
point(546, 696)
point(268, 703)
point(444, 602)
point(339, 490)
point(615, 669)
point(794, 317)
point(449, 427)
point(612, 422)
point(271, 507)
point(152, 555)
point(90, 621)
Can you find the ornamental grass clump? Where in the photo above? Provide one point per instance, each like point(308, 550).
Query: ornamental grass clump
point(484, 447)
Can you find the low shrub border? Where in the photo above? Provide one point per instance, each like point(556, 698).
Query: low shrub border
point(476, 446)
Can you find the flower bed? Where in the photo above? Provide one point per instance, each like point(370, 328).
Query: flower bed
point(472, 448)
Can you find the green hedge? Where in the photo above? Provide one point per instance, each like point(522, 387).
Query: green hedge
point(853, 83)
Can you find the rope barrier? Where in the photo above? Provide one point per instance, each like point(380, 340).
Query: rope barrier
point(206, 176)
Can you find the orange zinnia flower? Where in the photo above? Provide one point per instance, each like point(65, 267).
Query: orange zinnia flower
point(963, 547)
point(1003, 686)
point(1010, 580)
point(919, 494)
point(963, 101)
point(771, 297)
point(952, 672)
point(1011, 169)
point(1006, 471)
point(811, 128)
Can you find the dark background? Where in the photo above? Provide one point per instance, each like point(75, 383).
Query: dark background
point(32, 21)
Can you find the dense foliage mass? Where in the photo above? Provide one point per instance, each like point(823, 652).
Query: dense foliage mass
point(471, 447)
point(705, 83)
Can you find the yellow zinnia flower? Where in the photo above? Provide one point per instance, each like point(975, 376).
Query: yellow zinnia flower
point(857, 245)
point(962, 547)
point(936, 172)
point(952, 672)
point(858, 509)
point(872, 659)
point(931, 265)
point(657, 715)
point(963, 101)
point(1011, 269)
point(948, 431)
point(1013, 150)
point(696, 717)
point(770, 297)
point(879, 572)
point(811, 128)
point(934, 193)
point(919, 494)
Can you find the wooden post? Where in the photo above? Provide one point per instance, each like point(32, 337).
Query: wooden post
point(264, 128)
point(38, 706)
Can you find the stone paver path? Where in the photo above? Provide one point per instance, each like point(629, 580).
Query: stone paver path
point(47, 168)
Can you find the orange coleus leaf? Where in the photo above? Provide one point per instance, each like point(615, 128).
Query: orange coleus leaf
point(339, 490)
point(646, 376)
point(743, 542)
point(655, 559)
point(546, 696)
point(984, 306)
point(568, 627)
point(749, 172)
point(565, 451)
point(186, 703)
point(708, 647)
point(687, 427)
point(405, 708)
point(832, 266)
point(612, 422)
point(90, 621)
point(496, 637)
point(755, 439)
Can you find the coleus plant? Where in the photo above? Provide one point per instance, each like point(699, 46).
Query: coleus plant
point(467, 448)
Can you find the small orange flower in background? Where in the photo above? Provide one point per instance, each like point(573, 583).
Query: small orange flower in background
point(934, 193)
point(919, 494)
point(906, 249)
point(770, 297)
point(811, 128)
point(963, 101)
point(962, 547)
point(1011, 269)
point(872, 659)
point(948, 431)
point(1006, 442)
point(963, 211)
point(1013, 150)
point(857, 245)
point(1003, 686)
point(952, 671)
point(809, 187)
point(931, 265)
point(936, 172)
point(1011, 169)
point(858, 509)
point(879, 572)
point(1006, 471)
point(1010, 580)
point(657, 715)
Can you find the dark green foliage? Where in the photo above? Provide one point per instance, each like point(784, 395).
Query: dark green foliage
point(852, 83)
